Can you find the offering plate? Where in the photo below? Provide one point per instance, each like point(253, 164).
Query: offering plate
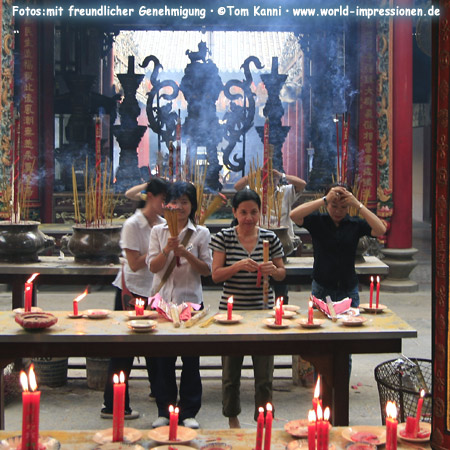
point(271, 323)
point(222, 318)
point(161, 435)
point(36, 321)
point(15, 442)
point(305, 324)
point(148, 314)
point(130, 435)
point(423, 436)
point(352, 321)
point(97, 313)
point(365, 434)
point(142, 326)
point(366, 307)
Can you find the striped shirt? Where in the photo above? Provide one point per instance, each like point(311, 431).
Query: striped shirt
point(242, 285)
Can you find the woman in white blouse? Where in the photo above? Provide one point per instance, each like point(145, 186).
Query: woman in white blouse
point(182, 285)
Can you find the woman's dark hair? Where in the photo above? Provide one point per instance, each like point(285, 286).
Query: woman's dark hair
point(243, 196)
point(345, 186)
point(180, 188)
point(155, 186)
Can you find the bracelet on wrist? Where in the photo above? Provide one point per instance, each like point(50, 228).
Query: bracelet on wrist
point(324, 198)
point(360, 206)
point(164, 253)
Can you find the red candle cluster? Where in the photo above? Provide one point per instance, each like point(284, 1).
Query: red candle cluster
point(118, 407)
point(278, 313)
point(30, 410)
point(264, 429)
point(323, 428)
point(139, 307)
point(412, 427)
point(29, 292)
point(230, 308)
point(173, 422)
point(391, 426)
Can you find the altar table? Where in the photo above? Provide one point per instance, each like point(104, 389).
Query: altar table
point(328, 347)
point(242, 439)
point(54, 270)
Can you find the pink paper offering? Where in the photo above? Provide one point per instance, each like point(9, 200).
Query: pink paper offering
point(340, 307)
point(163, 308)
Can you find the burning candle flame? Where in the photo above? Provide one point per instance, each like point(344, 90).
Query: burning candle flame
point(311, 416)
point(391, 410)
point(230, 299)
point(269, 407)
point(371, 279)
point(326, 414)
point(119, 378)
point(139, 302)
point(310, 304)
point(24, 380)
point(260, 409)
point(81, 296)
point(177, 410)
point(378, 278)
point(32, 378)
point(422, 393)
point(317, 388)
point(319, 412)
point(171, 409)
point(32, 278)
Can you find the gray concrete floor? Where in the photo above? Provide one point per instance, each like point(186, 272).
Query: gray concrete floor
point(75, 406)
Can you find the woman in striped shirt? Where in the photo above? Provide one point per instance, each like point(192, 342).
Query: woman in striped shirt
point(237, 259)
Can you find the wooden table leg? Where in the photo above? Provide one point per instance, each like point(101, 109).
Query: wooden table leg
point(3, 364)
point(335, 378)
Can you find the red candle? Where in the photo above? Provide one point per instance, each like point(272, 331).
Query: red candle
point(30, 411)
point(29, 292)
point(311, 430)
point(378, 291)
point(268, 429)
point(278, 313)
point(326, 428)
point(371, 292)
point(410, 427)
point(118, 407)
point(310, 313)
point(319, 428)
point(173, 422)
point(419, 412)
point(259, 429)
point(391, 426)
point(139, 307)
point(282, 304)
point(230, 308)
point(77, 299)
point(316, 400)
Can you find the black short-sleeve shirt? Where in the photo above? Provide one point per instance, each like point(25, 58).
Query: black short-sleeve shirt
point(335, 248)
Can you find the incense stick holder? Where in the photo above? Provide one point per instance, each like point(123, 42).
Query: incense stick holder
point(95, 245)
point(22, 242)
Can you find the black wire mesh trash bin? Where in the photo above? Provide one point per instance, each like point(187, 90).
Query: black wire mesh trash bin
point(400, 381)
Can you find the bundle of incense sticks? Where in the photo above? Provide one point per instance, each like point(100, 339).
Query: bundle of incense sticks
point(218, 201)
point(171, 216)
point(266, 278)
point(178, 149)
point(342, 154)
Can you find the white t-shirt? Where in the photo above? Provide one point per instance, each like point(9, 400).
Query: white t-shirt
point(184, 283)
point(289, 198)
point(135, 235)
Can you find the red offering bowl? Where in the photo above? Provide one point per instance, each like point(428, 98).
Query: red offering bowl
point(36, 320)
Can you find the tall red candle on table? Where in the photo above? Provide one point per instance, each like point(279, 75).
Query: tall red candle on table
point(173, 422)
point(311, 430)
point(278, 313)
point(259, 429)
point(391, 426)
point(378, 292)
point(76, 300)
point(310, 313)
point(326, 428)
point(230, 308)
point(268, 429)
point(30, 411)
point(371, 292)
point(29, 292)
point(419, 412)
point(319, 428)
point(118, 407)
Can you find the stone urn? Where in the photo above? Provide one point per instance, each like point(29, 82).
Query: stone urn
point(286, 241)
point(95, 245)
point(21, 242)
